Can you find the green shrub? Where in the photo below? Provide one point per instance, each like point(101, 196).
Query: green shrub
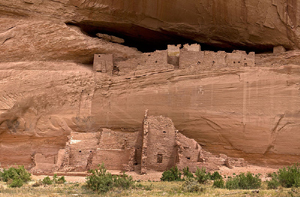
point(16, 183)
point(102, 181)
point(215, 176)
point(123, 181)
point(201, 175)
point(171, 175)
point(244, 182)
point(289, 177)
point(15, 176)
point(187, 173)
point(192, 185)
point(273, 184)
point(219, 183)
point(61, 180)
point(47, 180)
point(54, 179)
point(232, 183)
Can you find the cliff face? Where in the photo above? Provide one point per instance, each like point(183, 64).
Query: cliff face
point(248, 24)
point(249, 112)
point(48, 87)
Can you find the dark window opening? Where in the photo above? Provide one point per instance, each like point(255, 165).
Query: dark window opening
point(234, 62)
point(159, 158)
point(239, 62)
point(80, 151)
point(198, 62)
point(155, 61)
point(188, 158)
point(164, 132)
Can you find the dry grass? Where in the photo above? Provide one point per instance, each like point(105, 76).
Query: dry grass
point(141, 189)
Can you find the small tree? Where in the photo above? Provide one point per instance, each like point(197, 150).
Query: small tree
point(201, 175)
point(15, 177)
point(171, 175)
point(187, 173)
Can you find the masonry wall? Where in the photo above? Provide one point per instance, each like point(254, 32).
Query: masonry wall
point(103, 63)
point(113, 159)
point(189, 153)
point(146, 63)
point(161, 151)
point(82, 146)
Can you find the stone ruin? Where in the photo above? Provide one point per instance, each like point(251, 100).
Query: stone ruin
point(103, 63)
point(158, 147)
point(176, 56)
point(191, 55)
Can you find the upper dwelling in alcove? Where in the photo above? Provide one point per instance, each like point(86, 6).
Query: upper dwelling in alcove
point(175, 57)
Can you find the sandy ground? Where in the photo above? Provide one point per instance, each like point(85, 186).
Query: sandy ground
point(155, 176)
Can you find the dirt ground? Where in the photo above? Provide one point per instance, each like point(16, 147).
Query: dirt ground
point(155, 176)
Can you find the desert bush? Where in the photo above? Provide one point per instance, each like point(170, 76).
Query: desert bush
point(232, 183)
point(219, 183)
point(16, 183)
point(201, 175)
point(47, 180)
point(123, 181)
point(273, 184)
point(187, 173)
point(215, 176)
point(289, 177)
point(61, 180)
point(243, 181)
point(102, 181)
point(58, 180)
point(171, 175)
point(15, 177)
point(192, 185)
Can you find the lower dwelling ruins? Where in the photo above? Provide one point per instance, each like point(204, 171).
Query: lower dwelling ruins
point(157, 147)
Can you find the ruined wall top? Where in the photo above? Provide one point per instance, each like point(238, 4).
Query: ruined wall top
point(192, 47)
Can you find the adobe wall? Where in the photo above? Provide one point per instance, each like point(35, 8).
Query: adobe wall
point(44, 163)
point(146, 63)
point(240, 58)
point(173, 55)
point(173, 58)
point(215, 59)
point(82, 146)
point(113, 159)
point(103, 63)
point(161, 154)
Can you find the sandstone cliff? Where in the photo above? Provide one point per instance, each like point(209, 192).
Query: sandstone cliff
point(48, 87)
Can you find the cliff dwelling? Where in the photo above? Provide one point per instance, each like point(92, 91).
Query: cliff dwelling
point(157, 148)
point(179, 57)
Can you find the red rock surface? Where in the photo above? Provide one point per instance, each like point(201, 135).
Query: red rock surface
point(48, 87)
